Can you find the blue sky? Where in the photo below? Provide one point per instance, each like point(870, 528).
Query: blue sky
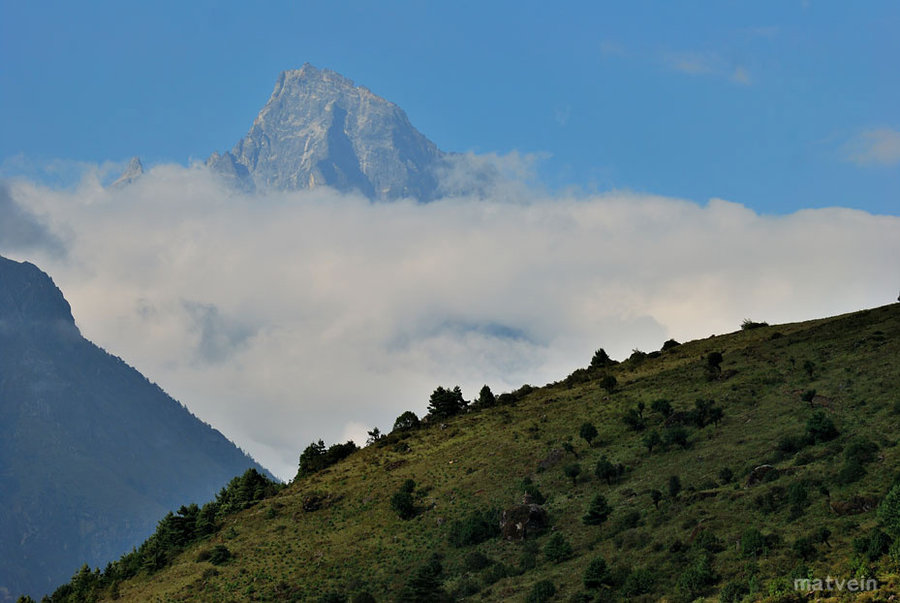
point(774, 105)
point(676, 145)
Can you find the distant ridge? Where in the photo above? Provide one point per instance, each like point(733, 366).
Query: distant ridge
point(92, 454)
point(319, 128)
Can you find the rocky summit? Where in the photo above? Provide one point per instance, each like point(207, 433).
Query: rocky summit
point(320, 129)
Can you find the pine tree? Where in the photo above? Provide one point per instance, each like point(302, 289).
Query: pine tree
point(597, 512)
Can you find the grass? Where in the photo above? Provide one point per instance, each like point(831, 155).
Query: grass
point(479, 460)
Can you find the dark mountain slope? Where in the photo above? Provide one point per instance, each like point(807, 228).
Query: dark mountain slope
point(91, 452)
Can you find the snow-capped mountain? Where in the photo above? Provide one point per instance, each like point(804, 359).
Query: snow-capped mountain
point(319, 128)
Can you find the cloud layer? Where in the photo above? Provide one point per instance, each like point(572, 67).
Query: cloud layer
point(283, 318)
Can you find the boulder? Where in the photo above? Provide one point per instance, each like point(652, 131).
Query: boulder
point(521, 521)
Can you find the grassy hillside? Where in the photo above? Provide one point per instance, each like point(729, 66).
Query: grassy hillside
point(731, 537)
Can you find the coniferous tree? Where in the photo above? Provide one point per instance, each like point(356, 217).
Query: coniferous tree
point(445, 403)
point(598, 511)
point(486, 398)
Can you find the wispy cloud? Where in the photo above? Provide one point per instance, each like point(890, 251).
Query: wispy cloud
point(317, 314)
point(706, 64)
point(22, 231)
point(880, 146)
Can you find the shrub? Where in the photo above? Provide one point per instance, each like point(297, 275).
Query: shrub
point(477, 527)
point(662, 406)
point(638, 582)
point(541, 592)
point(633, 420)
point(725, 475)
point(588, 432)
point(860, 450)
point(494, 573)
point(477, 561)
point(651, 440)
point(572, 471)
point(820, 428)
point(534, 493)
point(872, 546)
point(851, 472)
point(406, 422)
point(630, 519)
point(601, 359)
point(609, 383)
point(608, 471)
point(790, 444)
point(697, 578)
point(598, 511)
point(596, 574)
point(798, 498)
point(674, 486)
point(748, 324)
point(676, 435)
point(219, 554)
point(669, 344)
point(465, 587)
point(402, 501)
point(656, 496)
point(889, 511)
point(705, 412)
point(734, 592)
point(805, 549)
point(771, 500)
point(557, 548)
point(316, 457)
point(424, 584)
point(753, 543)
point(809, 368)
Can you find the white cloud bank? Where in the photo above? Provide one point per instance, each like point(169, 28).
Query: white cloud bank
point(284, 318)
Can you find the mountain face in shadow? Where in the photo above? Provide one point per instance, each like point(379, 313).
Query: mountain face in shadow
point(319, 128)
point(92, 454)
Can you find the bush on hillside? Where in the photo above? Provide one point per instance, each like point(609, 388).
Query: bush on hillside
point(406, 422)
point(588, 432)
point(597, 574)
point(316, 457)
point(557, 548)
point(475, 528)
point(403, 503)
point(820, 428)
point(598, 511)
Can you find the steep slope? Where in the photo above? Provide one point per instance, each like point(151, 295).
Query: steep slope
point(318, 128)
point(789, 481)
point(91, 453)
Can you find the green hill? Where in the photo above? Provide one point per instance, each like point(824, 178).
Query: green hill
point(774, 463)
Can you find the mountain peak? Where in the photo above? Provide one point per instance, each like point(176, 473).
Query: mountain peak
point(132, 172)
point(319, 128)
point(28, 295)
